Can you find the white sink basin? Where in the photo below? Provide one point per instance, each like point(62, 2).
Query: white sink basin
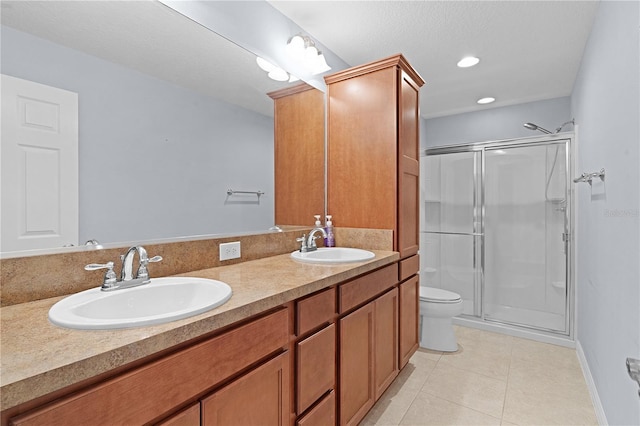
point(162, 300)
point(333, 255)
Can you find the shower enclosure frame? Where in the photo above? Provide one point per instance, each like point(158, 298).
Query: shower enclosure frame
point(479, 318)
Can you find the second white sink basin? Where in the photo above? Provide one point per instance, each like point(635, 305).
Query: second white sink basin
point(162, 300)
point(333, 255)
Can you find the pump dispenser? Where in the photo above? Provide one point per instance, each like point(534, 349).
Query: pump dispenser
point(318, 223)
point(330, 240)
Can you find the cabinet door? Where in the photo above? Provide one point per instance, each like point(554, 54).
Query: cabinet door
point(385, 339)
point(408, 168)
point(261, 397)
point(316, 367)
point(362, 158)
point(356, 365)
point(409, 311)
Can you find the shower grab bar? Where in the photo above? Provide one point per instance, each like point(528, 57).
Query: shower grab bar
point(473, 234)
point(231, 192)
point(588, 177)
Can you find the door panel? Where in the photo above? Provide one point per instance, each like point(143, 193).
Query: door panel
point(39, 166)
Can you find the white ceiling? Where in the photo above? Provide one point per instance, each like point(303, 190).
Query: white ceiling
point(529, 50)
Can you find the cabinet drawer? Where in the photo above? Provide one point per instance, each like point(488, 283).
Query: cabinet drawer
point(144, 394)
point(409, 266)
point(323, 414)
point(361, 289)
point(315, 310)
point(316, 361)
point(186, 417)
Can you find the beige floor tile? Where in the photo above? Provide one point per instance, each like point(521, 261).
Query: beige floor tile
point(424, 353)
point(544, 353)
point(475, 357)
point(430, 410)
point(471, 390)
point(492, 379)
point(395, 402)
point(532, 407)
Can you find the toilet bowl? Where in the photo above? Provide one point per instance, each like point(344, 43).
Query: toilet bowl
point(437, 309)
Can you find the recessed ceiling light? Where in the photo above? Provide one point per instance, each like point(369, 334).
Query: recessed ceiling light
point(468, 61)
point(486, 100)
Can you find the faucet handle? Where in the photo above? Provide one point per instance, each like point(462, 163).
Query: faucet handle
point(303, 241)
point(109, 277)
point(143, 272)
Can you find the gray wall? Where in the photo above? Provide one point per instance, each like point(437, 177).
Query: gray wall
point(605, 102)
point(495, 123)
point(155, 159)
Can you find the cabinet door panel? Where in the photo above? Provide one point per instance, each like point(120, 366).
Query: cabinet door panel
point(362, 160)
point(356, 365)
point(261, 397)
point(385, 341)
point(316, 362)
point(409, 311)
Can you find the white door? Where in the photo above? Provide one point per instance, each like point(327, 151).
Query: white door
point(39, 166)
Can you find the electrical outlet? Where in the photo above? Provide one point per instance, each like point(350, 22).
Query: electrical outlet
point(230, 250)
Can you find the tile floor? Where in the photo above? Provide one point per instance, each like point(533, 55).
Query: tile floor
point(493, 379)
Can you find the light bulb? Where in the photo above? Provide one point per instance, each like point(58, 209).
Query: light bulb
point(278, 74)
point(295, 47)
point(320, 65)
point(486, 100)
point(468, 61)
point(264, 64)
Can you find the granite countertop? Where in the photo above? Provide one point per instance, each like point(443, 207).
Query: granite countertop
point(38, 357)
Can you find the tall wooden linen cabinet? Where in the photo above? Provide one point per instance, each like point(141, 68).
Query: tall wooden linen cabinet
point(373, 182)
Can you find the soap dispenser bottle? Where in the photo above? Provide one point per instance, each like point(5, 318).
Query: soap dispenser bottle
point(318, 223)
point(330, 240)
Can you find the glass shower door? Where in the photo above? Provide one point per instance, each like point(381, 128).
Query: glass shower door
point(525, 217)
point(450, 239)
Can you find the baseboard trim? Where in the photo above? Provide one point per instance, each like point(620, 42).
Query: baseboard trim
point(595, 399)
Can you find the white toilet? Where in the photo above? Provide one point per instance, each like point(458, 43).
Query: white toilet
point(437, 308)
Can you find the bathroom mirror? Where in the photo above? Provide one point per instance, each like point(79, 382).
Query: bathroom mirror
point(171, 117)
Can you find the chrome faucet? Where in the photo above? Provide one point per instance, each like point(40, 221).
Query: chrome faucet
point(126, 275)
point(309, 243)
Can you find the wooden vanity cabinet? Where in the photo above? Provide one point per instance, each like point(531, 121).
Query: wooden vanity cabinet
point(368, 342)
point(373, 140)
point(299, 154)
point(150, 392)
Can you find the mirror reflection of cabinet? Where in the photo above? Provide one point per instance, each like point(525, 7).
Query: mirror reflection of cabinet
point(299, 154)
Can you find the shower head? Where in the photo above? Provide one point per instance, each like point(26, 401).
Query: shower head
point(532, 126)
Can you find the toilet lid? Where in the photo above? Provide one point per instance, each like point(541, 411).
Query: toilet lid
point(432, 294)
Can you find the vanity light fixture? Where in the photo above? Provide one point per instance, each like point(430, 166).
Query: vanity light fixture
point(303, 50)
point(274, 72)
point(486, 100)
point(468, 61)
